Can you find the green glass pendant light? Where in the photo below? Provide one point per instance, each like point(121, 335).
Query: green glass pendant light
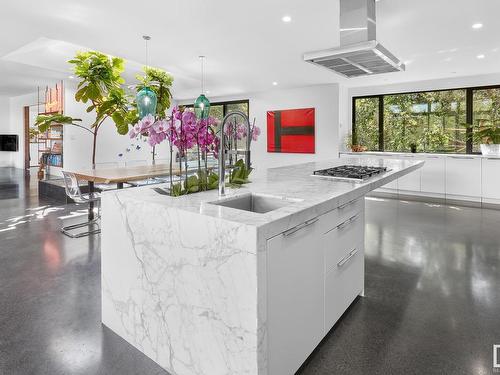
point(202, 104)
point(146, 98)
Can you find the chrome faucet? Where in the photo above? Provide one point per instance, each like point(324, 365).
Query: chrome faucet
point(223, 152)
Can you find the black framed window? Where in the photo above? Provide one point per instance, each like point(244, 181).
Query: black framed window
point(220, 109)
point(429, 121)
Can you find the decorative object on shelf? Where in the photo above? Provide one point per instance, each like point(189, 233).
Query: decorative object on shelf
point(291, 131)
point(202, 104)
point(54, 98)
point(146, 98)
point(101, 85)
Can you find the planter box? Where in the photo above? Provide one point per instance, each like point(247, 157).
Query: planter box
point(490, 150)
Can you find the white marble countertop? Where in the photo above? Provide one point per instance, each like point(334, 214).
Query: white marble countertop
point(314, 195)
point(420, 154)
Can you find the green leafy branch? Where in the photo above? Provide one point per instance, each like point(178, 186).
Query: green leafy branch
point(160, 82)
point(44, 122)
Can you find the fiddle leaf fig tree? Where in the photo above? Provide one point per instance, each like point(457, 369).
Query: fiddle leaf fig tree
point(160, 82)
point(101, 88)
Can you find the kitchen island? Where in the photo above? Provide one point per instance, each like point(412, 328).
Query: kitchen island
point(245, 284)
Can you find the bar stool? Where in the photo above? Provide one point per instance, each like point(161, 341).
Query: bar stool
point(74, 192)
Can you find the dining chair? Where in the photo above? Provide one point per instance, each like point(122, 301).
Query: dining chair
point(73, 191)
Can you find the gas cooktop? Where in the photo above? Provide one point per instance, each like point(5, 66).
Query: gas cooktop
point(350, 172)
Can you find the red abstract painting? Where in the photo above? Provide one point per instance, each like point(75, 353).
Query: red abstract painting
point(291, 130)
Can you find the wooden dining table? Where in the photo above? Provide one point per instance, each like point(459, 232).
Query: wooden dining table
point(121, 175)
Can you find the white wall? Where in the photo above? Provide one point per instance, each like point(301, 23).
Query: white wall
point(5, 156)
point(16, 114)
point(324, 98)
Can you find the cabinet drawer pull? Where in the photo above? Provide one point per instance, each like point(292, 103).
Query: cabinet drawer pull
point(300, 226)
point(462, 157)
point(493, 158)
point(346, 204)
point(347, 258)
point(345, 223)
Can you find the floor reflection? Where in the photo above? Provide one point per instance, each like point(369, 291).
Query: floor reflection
point(431, 307)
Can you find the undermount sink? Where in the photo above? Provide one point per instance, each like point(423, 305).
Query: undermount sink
point(258, 203)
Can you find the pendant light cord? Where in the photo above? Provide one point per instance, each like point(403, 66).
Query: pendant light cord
point(146, 40)
point(202, 58)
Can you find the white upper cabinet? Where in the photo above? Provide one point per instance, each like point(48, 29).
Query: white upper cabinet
point(433, 175)
point(491, 178)
point(463, 177)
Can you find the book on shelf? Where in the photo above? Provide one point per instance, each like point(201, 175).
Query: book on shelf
point(54, 160)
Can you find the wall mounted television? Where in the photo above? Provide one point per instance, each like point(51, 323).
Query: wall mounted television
point(9, 142)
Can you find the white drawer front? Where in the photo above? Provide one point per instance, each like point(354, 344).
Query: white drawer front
point(343, 284)
point(346, 210)
point(339, 241)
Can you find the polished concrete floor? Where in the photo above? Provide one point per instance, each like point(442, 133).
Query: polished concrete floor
point(432, 302)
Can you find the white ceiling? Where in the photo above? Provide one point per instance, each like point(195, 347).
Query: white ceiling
point(247, 45)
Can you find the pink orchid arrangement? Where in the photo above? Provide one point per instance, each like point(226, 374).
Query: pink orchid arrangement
point(239, 131)
point(155, 130)
point(184, 131)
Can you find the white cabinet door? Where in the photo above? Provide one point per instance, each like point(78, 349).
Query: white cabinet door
point(295, 298)
point(411, 181)
point(433, 175)
point(463, 177)
point(491, 178)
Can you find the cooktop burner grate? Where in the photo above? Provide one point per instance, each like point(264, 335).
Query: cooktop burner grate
point(350, 172)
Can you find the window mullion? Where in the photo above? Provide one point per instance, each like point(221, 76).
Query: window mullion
point(381, 123)
point(469, 99)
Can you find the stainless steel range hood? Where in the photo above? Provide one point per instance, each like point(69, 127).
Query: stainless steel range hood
point(359, 53)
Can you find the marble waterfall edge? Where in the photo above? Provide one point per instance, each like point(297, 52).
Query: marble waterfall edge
point(180, 287)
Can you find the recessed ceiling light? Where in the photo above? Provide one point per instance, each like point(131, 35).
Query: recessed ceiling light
point(275, 83)
point(71, 77)
point(477, 25)
point(286, 19)
point(207, 91)
point(480, 56)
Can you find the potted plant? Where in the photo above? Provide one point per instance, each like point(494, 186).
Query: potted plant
point(352, 143)
point(101, 87)
point(489, 139)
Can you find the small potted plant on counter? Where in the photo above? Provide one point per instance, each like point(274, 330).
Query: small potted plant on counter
point(352, 143)
point(489, 139)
